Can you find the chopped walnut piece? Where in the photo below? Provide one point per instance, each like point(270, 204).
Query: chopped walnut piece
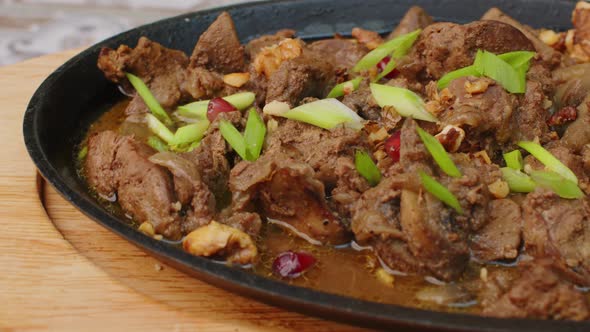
point(236, 79)
point(269, 59)
point(483, 155)
point(577, 40)
point(549, 37)
point(147, 228)
point(215, 239)
point(451, 137)
point(370, 39)
point(499, 189)
point(477, 86)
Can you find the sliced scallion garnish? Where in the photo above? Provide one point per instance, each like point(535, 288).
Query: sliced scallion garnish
point(325, 113)
point(149, 99)
point(367, 168)
point(372, 58)
point(547, 159)
point(502, 72)
point(514, 160)
point(463, 72)
point(83, 153)
point(556, 183)
point(340, 89)
point(198, 109)
point(157, 144)
point(438, 153)
point(439, 191)
point(233, 138)
point(398, 53)
point(518, 59)
point(254, 134)
point(518, 181)
point(405, 102)
point(189, 134)
point(159, 128)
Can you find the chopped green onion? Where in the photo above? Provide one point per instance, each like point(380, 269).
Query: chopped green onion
point(254, 134)
point(398, 53)
point(478, 62)
point(514, 160)
point(562, 187)
point(367, 168)
point(198, 109)
point(403, 42)
point(547, 159)
point(340, 89)
point(499, 70)
point(325, 113)
point(439, 191)
point(157, 144)
point(83, 153)
point(438, 153)
point(233, 138)
point(518, 181)
point(159, 128)
point(149, 99)
point(518, 59)
point(405, 102)
point(189, 134)
point(463, 72)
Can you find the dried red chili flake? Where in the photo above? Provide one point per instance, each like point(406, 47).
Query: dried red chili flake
point(563, 116)
point(381, 66)
point(392, 146)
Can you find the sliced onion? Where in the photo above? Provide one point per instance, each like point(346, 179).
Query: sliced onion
point(326, 113)
point(406, 103)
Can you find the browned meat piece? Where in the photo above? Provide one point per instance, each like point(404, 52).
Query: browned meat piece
point(568, 157)
point(219, 47)
point(548, 54)
point(247, 222)
point(540, 292)
point(341, 53)
point(488, 112)
point(162, 69)
point(202, 83)
point(500, 237)
point(256, 45)
point(532, 115)
point(362, 102)
point(288, 191)
point(319, 148)
point(308, 75)
point(349, 187)
point(577, 133)
point(560, 229)
point(444, 47)
point(573, 84)
point(415, 18)
point(143, 189)
point(190, 190)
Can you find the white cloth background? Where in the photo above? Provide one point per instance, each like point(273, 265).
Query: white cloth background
point(30, 28)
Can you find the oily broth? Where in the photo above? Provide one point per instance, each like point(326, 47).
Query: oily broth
point(342, 271)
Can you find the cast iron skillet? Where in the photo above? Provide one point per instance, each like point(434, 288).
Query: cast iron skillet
point(77, 93)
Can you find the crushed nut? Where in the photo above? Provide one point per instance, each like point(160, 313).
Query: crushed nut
point(158, 237)
point(384, 277)
point(270, 58)
point(483, 155)
point(218, 239)
point(236, 79)
point(499, 189)
point(549, 37)
point(370, 39)
point(477, 86)
point(379, 135)
point(272, 125)
point(147, 228)
point(390, 117)
point(451, 137)
point(177, 206)
point(483, 274)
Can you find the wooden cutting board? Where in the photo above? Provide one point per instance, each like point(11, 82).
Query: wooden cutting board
point(61, 271)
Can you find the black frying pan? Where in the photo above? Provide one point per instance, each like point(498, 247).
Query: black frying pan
point(77, 93)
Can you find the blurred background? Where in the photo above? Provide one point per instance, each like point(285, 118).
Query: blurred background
point(30, 28)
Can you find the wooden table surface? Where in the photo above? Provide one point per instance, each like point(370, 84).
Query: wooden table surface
point(62, 271)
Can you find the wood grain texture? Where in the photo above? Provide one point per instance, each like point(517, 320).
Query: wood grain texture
point(71, 274)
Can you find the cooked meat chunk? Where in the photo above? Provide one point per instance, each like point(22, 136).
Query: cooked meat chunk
point(288, 191)
point(573, 84)
point(479, 114)
point(221, 241)
point(219, 47)
point(415, 18)
point(558, 228)
point(444, 47)
point(120, 164)
point(247, 222)
point(531, 118)
point(577, 134)
point(540, 292)
point(308, 75)
point(202, 83)
point(500, 237)
point(341, 53)
point(162, 69)
point(190, 190)
point(548, 54)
